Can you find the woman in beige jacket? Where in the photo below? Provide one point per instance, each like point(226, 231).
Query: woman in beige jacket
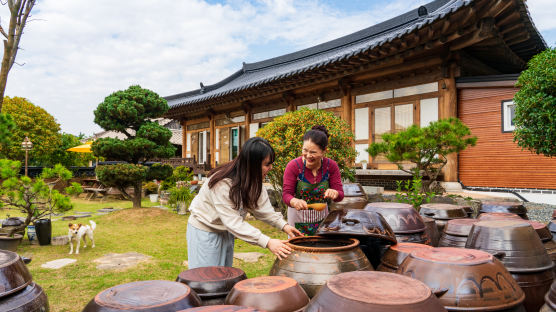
point(218, 211)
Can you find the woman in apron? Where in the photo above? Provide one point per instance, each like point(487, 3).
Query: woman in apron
point(311, 179)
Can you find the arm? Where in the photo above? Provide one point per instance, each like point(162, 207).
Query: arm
point(231, 218)
point(336, 180)
point(290, 182)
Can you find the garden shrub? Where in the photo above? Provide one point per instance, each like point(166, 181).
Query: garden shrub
point(426, 147)
point(535, 110)
point(285, 134)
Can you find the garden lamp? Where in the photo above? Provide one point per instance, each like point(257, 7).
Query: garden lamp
point(26, 145)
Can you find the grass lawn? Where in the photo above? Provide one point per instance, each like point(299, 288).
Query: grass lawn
point(150, 231)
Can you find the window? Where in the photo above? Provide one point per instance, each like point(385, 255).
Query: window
point(322, 104)
point(429, 111)
point(508, 115)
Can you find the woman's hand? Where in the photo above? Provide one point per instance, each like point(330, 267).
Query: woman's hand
point(291, 231)
point(278, 248)
point(298, 204)
point(331, 193)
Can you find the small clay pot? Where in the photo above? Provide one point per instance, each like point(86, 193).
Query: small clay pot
point(269, 293)
point(374, 291)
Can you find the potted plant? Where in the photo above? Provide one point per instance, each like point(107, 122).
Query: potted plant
point(363, 164)
point(35, 198)
point(151, 189)
point(180, 197)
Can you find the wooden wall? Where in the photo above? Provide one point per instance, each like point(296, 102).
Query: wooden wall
point(496, 161)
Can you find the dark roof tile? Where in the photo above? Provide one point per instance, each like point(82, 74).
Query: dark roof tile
point(264, 72)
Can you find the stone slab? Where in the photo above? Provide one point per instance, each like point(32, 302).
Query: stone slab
point(108, 209)
point(115, 261)
point(58, 263)
point(248, 256)
point(371, 190)
point(60, 240)
point(73, 217)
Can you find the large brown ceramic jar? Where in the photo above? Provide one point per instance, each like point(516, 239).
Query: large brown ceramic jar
point(515, 242)
point(534, 285)
point(491, 216)
point(396, 254)
point(370, 228)
point(442, 213)
point(431, 230)
point(550, 299)
point(315, 259)
point(519, 247)
point(464, 279)
point(269, 293)
point(376, 292)
point(222, 308)
point(501, 206)
point(213, 283)
point(144, 296)
point(456, 232)
point(404, 220)
point(354, 197)
point(32, 298)
point(14, 275)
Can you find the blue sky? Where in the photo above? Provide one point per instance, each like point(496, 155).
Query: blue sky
point(78, 52)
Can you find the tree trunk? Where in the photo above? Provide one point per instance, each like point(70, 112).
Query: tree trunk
point(137, 195)
point(19, 12)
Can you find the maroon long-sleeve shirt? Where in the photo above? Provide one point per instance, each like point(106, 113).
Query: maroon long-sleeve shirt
point(292, 171)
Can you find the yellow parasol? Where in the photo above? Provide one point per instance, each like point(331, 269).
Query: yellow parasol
point(84, 148)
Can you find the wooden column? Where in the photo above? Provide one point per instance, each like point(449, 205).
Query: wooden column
point(212, 140)
point(347, 104)
point(447, 109)
point(247, 110)
point(184, 138)
point(289, 97)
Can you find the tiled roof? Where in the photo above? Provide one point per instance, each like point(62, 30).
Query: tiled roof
point(256, 74)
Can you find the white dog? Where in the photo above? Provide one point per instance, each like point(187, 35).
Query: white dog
point(80, 231)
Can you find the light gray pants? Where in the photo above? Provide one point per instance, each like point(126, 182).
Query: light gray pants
point(209, 248)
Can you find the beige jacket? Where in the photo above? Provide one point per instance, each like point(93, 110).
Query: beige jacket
point(213, 211)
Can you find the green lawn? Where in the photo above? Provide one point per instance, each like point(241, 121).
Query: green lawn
point(150, 231)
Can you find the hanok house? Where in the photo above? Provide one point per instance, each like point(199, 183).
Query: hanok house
point(448, 58)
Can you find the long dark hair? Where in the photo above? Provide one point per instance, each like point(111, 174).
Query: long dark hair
point(245, 171)
point(317, 135)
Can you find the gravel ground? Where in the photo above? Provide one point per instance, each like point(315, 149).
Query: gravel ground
point(539, 212)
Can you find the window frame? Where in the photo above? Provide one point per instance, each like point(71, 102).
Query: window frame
point(506, 123)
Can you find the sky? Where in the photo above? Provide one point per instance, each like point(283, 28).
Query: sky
point(75, 53)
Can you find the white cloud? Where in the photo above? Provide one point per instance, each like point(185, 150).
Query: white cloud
point(78, 52)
